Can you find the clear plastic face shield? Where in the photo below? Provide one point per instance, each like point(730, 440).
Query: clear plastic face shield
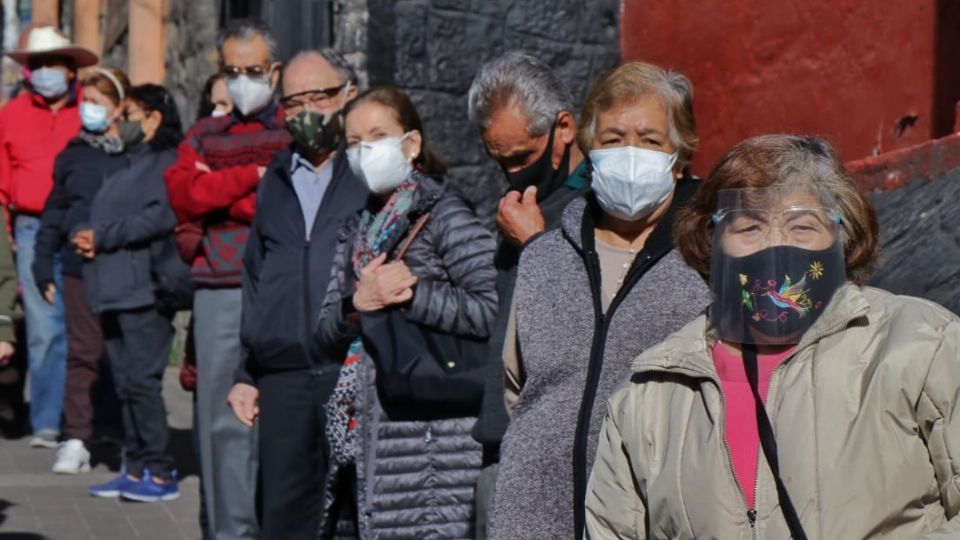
point(777, 261)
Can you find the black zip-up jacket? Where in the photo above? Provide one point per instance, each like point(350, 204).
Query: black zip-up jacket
point(78, 174)
point(286, 271)
point(130, 212)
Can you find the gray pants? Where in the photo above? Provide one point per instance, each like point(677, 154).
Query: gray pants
point(228, 449)
point(485, 484)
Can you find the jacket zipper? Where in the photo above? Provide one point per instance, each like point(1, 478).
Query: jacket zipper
point(594, 367)
point(750, 512)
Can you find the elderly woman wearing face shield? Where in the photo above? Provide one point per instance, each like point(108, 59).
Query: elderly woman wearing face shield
point(593, 294)
point(803, 404)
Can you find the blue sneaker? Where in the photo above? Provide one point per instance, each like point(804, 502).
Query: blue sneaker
point(111, 489)
point(146, 490)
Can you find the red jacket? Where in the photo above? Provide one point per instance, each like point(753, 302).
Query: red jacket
point(31, 136)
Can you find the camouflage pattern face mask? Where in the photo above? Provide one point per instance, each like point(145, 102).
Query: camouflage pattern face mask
point(316, 133)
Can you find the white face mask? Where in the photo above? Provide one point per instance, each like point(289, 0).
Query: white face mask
point(219, 113)
point(631, 182)
point(250, 94)
point(380, 164)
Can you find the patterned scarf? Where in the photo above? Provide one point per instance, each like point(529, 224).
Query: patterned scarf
point(109, 145)
point(372, 234)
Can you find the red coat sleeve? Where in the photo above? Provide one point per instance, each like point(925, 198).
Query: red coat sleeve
point(194, 193)
point(244, 209)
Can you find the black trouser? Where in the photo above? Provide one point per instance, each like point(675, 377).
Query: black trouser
point(138, 343)
point(293, 451)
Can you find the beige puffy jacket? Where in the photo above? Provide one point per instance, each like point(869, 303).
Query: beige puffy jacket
point(866, 414)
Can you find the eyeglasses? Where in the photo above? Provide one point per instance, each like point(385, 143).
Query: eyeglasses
point(232, 72)
point(320, 98)
point(797, 226)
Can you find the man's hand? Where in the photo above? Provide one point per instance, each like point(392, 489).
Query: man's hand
point(83, 242)
point(201, 166)
point(243, 401)
point(50, 293)
point(383, 285)
point(518, 216)
point(261, 170)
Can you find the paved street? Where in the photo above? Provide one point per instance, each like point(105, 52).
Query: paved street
point(36, 504)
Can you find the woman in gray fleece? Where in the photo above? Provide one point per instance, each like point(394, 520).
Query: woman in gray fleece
point(594, 294)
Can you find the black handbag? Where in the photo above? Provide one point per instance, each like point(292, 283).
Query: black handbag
point(419, 368)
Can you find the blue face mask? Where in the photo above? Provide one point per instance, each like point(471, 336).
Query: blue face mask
point(94, 117)
point(49, 82)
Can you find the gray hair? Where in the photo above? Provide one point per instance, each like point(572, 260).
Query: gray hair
point(518, 78)
point(245, 30)
point(332, 57)
point(635, 79)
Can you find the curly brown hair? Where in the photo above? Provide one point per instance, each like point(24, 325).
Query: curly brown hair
point(777, 160)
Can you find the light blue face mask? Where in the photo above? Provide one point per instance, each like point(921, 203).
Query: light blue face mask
point(94, 117)
point(49, 82)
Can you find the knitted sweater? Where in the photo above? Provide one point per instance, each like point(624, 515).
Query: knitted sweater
point(213, 186)
point(570, 369)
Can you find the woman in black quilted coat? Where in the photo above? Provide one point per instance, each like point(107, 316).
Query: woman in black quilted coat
point(396, 470)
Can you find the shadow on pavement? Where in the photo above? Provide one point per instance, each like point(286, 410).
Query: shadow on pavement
point(180, 447)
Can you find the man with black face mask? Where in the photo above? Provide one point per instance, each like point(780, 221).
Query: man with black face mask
point(212, 189)
point(304, 197)
point(525, 116)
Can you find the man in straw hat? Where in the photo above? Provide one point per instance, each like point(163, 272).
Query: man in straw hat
point(34, 127)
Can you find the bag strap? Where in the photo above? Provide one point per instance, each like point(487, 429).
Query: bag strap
point(769, 444)
point(412, 235)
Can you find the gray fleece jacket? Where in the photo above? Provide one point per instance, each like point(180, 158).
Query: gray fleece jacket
point(573, 356)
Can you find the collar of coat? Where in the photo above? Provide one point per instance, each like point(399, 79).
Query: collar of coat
point(580, 216)
point(687, 351)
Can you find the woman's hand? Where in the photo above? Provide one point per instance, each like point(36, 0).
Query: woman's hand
point(50, 293)
point(83, 243)
point(383, 285)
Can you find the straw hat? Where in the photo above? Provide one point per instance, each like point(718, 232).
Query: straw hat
point(48, 41)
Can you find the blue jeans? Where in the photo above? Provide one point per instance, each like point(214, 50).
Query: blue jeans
point(46, 333)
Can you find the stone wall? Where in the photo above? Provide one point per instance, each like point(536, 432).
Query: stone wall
point(434, 48)
point(920, 240)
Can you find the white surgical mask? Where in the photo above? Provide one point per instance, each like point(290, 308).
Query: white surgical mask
point(631, 182)
point(250, 94)
point(380, 164)
point(94, 117)
point(49, 82)
point(219, 113)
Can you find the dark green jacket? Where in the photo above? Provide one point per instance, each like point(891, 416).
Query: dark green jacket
point(8, 287)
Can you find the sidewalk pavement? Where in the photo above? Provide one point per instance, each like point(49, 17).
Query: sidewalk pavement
point(36, 504)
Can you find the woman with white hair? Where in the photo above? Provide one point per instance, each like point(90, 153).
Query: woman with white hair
point(593, 294)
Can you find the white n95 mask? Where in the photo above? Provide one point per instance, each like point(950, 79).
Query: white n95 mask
point(250, 94)
point(380, 164)
point(631, 182)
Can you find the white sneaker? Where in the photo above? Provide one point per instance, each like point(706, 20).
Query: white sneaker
point(72, 458)
point(45, 438)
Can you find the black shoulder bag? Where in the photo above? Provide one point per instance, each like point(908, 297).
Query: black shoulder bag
point(769, 445)
point(421, 371)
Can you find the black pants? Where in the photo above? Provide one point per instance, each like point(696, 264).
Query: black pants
point(293, 452)
point(138, 344)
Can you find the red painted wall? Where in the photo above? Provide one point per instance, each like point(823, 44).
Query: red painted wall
point(846, 69)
